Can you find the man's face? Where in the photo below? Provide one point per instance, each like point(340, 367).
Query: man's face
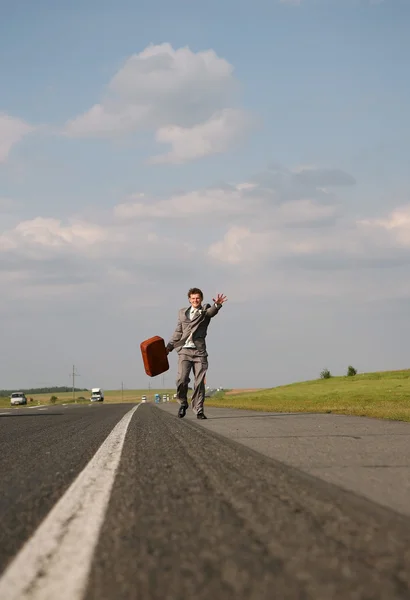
point(195, 300)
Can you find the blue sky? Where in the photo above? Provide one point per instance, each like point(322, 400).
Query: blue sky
point(259, 149)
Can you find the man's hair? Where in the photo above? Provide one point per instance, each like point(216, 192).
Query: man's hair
point(195, 291)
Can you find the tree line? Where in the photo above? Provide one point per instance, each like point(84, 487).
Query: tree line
point(43, 390)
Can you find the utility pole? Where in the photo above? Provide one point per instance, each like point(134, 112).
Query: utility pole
point(122, 391)
point(74, 375)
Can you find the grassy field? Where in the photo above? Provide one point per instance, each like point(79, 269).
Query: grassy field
point(384, 395)
point(110, 397)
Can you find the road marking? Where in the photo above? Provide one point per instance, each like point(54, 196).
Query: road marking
point(42, 409)
point(56, 560)
point(4, 413)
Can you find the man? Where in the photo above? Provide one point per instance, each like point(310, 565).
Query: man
point(189, 341)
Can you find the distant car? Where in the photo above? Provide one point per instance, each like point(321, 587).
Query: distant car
point(143, 399)
point(164, 398)
point(18, 398)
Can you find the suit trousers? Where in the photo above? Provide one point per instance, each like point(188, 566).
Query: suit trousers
point(190, 359)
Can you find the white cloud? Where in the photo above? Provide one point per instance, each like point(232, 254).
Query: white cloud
point(46, 251)
point(184, 96)
point(396, 225)
point(12, 130)
point(346, 243)
point(51, 233)
point(234, 248)
point(207, 204)
point(99, 121)
point(215, 135)
point(243, 246)
point(157, 87)
point(248, 223)
point(282, 201)
point(272, 221)
point(274, 217)
point(323, 177)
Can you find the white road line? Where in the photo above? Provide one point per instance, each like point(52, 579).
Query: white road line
point(42, 409)
point(55, 561)
point(4, 413)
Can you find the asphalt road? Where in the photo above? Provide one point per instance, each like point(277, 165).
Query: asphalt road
point(41, 451)
point(370, 457)
point(193, 514)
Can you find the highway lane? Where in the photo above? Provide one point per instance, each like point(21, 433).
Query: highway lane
point(42, 450)
point(190, 514)
point(194, 515)
point(370, 457)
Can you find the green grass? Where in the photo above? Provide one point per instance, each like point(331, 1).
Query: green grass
point(384, 395)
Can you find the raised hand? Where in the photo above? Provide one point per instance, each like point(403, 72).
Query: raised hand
point(220, 299)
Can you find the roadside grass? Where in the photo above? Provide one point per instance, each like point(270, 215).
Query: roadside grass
point(383, 395)
point(110, 397)
point(116, 396)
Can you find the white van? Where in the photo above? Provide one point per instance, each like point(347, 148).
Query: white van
point(18, 398)
point(97, 395)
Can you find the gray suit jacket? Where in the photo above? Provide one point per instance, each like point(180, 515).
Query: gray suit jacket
point(198, 327)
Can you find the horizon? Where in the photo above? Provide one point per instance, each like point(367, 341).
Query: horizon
point(152, 388)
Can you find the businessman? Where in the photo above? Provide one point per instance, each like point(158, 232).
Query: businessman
point(189, 341)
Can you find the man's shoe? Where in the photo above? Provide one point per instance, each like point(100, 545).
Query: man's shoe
point(201, 415)
point(182, 411)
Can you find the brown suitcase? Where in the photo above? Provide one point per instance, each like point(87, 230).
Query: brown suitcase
point(154, 356)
